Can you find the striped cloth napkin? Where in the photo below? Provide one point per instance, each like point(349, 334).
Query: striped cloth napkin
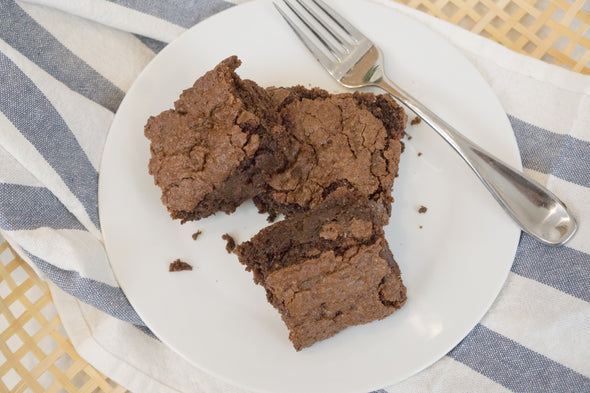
point(64, 69)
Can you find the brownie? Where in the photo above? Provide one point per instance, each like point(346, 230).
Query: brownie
point(345, 140)
point(217, 147)
point(326, 269)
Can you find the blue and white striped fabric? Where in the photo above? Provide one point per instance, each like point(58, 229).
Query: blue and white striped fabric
point(64, 69)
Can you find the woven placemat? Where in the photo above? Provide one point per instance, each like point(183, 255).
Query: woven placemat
point(35, 354)
point(557, 31)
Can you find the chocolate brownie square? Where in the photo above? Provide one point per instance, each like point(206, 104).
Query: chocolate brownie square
point(350, 141)
point(326, 269)
point(217, 147)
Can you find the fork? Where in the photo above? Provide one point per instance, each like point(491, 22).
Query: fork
point(354, 61)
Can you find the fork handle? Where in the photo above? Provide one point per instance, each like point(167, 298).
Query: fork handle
point(538, 211)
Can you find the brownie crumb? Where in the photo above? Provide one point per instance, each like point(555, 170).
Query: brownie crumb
point(272, 216)
point(409, 137)
point(416, 120)
point(420, 226)
point(422, 209)
point(419, 154)
point(231, 243)
point(196, 235)
point(178, 266)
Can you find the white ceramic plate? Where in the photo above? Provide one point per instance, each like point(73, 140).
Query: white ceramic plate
point(215, 316)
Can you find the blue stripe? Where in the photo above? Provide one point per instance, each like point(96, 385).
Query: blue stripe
point(515, 366)
point(24, 34)
point(562, 268)
point(34, 116)
point(544, 151)
point(154, 45)
point(104, 297)
point(26, 207)
point(185, 13)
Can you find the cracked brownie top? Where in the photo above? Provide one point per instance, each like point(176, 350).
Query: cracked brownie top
point(326, 269)
point(343, 140)
point(217, 147)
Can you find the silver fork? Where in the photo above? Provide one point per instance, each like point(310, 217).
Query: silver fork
point(354, 61)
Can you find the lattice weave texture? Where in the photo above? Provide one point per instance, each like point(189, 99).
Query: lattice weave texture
point(556, 31)
point(35, 354)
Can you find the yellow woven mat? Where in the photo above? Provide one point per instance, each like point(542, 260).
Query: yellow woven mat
point(35, 354)
point(555, 31)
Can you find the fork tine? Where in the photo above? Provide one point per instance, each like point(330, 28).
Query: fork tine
point(313, 48)
point(318, 31)
point(334, 33)
point(339, 19)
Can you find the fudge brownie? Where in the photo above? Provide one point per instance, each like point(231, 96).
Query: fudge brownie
point(343, 141)
point(326, 269)
point(217, 147)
